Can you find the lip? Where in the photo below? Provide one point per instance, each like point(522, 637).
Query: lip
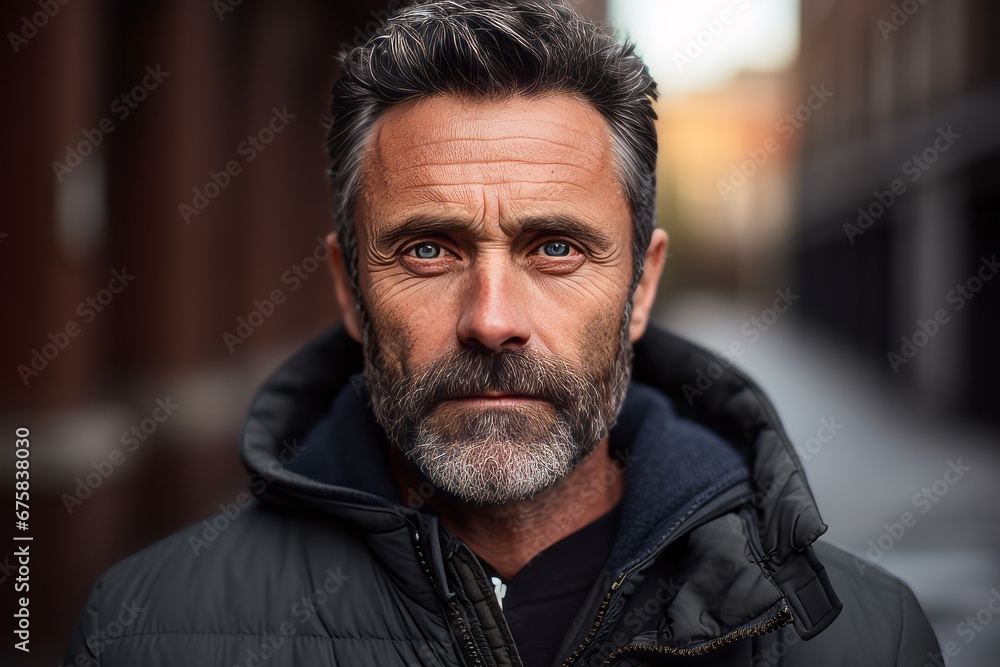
point(495, 399)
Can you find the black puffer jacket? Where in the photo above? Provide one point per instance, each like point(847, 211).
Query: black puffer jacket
point(314, 573)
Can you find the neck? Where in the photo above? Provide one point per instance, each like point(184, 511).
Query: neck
point(509, 535)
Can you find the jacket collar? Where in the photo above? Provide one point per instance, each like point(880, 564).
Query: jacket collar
point(748, 442)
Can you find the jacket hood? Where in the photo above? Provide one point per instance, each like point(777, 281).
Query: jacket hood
point(757, 478)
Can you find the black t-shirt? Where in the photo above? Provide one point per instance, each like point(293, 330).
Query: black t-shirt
point(541, 601)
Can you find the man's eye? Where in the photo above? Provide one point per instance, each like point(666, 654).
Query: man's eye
point(426, 250)
point(556, 249)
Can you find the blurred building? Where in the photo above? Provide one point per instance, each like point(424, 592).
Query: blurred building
point(725, 156)
point(898, 203)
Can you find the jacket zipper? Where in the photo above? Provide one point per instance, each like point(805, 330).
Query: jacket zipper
point(471, 652)
point(597, 622)
point(774, 618)
point(699, 518)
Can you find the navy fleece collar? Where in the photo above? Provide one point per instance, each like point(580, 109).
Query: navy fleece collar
point(674, 465)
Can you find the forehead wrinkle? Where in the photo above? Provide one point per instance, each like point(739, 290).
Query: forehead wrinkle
point(491, 184)
point(572, 165)
point(416, 135)
point(401, 142)
point(511, 174)
point(479, 140)
point(406, 162)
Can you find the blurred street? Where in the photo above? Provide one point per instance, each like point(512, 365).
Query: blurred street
point(868, 474)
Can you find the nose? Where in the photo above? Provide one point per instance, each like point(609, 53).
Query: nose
point(494, 316)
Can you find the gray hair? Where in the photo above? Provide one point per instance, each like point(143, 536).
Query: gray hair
point(494, 49)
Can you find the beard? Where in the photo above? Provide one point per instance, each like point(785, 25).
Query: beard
point(495, 455)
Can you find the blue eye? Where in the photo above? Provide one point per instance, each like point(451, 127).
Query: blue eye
point(556, 249)
point(427, 250)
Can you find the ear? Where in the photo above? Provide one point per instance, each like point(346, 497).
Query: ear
point(645, 291)
point(342, 288)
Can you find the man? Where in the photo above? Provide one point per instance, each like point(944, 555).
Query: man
point(484, 465)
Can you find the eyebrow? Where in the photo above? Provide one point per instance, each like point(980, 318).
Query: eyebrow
point(431, 225)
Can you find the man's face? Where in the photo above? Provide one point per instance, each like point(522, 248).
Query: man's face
point(494, 269)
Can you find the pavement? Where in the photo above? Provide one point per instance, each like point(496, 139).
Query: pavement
point(899, 485)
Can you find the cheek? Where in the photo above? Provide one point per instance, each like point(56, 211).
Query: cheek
point(394, 295)
point(583, 313)
point(414, 320)
point(602, 335)
point(389, 344)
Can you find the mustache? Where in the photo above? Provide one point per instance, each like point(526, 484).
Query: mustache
point(464, 373)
